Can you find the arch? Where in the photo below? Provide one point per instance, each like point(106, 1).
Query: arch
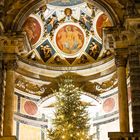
point(105, 7)
point(25, 12)
point(50, 100)
point(30, 7)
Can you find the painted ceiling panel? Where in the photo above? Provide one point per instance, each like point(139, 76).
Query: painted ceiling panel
point(66, 33)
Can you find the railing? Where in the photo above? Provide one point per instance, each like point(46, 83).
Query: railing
point(123, 136)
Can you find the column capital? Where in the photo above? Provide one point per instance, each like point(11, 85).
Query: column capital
point(121, 56)
point(11, 45)
point(120, 61)
point(114, 37)
point(11, 65)
point(122, 37)
point(15, 42)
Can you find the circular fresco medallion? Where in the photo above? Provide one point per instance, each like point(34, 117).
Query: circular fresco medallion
point(102, 21)
point(108, 105)
point(30, 108)
point(33, 29)
point(70, 39)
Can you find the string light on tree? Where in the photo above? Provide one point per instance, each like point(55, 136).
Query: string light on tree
point(71, 118)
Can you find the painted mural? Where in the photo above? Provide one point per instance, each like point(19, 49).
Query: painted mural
point(45, 51)
point(70, 39)
point(33, 29)
point(86, 20)
point(50, 23)
point(73, 35)
point(102, 21)
point(94, 48)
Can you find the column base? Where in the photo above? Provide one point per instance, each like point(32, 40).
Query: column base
point(8, 138)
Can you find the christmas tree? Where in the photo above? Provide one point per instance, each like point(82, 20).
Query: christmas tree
point(71, 118)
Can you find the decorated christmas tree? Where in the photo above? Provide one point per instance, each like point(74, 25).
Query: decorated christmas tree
point(71, 118)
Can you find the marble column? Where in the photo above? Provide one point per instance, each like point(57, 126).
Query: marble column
point(121, 62)
point(9, 98)
point(11, 45)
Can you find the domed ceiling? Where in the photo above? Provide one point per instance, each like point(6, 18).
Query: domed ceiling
point(65, 39)
point(66, 33)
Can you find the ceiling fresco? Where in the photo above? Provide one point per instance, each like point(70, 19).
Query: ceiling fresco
point(65, 35)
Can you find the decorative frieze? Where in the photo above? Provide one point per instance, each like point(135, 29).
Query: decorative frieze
point(94, 88)
point(14, 43)
point(28, 86)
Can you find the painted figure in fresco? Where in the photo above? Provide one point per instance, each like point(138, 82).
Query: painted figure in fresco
point(58, 60)
point(94, 50)
point(78, 38)
point(70, 39)
point(29, 29)
point(103, 21)
point(33, 29)
point(50, 24)
point(83, 60)
point(92, 9)
point(68, 13)
point(46, 51)
point(106, 21)
point(85, 19)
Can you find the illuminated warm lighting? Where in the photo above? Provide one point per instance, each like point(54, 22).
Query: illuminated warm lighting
point(71, 135)
point(63, 137)
point(74, 114)
point(78, 134)
point(83, 133)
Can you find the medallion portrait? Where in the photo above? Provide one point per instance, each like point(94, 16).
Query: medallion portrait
point(70, 39)
point(33, 29)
